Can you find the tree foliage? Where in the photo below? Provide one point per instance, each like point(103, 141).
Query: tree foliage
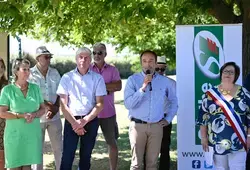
point(229, 12)
point(137, 24)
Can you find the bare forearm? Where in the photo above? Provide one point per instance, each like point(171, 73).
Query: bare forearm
point(68, 115)
point(203, 130)
point(11, 115)
point(114, 86)
point(95, 111)
point(40, 112)
point(52, 107)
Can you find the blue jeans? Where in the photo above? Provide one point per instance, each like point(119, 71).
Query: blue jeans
point(70, 142)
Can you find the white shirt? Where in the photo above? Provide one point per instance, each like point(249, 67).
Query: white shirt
point(48, 86)
point(82, 90)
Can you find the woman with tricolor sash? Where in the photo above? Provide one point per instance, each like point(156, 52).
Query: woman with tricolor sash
point(224, 120)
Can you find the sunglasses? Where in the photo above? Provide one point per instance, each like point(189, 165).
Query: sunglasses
point(47, 57)
point(160, 69)
point(20, 61)
point(98, 52)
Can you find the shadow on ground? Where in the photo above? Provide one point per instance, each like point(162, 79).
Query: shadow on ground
point(101, 163)
point(100, 159)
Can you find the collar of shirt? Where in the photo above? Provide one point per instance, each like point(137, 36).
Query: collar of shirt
point(94, 66)
point(78, 73)
point(38, 71)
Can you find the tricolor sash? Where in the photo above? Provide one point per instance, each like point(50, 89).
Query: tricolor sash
point(230, 114)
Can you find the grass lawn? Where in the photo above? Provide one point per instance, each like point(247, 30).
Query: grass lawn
point(100, 153)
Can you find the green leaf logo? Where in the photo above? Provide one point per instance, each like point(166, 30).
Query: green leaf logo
point(208, 54)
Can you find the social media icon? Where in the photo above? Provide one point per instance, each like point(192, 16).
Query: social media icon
point(206, 166)
point(196, 164)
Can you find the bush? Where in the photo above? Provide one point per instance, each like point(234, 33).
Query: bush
point(63, 65)
point(124, 67)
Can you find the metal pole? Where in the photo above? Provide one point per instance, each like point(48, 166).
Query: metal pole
point(19, 46)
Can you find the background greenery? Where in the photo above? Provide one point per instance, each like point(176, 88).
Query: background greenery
point(135, 24)
point(126, 65)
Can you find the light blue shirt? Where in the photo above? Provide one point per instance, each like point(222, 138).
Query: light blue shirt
point(150, 106)
point(81, 90)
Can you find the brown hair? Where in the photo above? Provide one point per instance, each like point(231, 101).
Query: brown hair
point(149, 51)
point(3, 79)
point(16, 66)
point(236, 68)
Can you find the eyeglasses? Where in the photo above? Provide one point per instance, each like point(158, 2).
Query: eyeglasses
point(98, 52)
point(160, 69)
point(228, 72)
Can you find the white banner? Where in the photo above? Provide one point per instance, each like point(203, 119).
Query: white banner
point(200, 52)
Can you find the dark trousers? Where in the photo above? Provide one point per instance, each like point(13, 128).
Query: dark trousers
point(70, 142)
point(248, 161)
point(165, 148)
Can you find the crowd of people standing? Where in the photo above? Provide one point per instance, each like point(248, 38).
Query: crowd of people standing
point(31, 105)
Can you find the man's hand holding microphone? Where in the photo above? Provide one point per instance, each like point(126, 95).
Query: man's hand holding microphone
point(147, 81)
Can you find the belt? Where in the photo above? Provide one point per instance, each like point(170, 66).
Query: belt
point(79, 117)
point(138, 121)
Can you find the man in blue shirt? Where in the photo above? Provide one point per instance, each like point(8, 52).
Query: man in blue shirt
point(81, 93)
point(146, 96)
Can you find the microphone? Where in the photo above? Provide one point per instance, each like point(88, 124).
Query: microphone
point(150, 85)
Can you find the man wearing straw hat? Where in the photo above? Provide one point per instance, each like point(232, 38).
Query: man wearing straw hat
point(48, 79)
point(166, 140)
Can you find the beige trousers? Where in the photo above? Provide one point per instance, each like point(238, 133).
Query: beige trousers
point(54, 129)
point(145, 139)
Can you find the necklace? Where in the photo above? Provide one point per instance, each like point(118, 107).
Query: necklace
point(225, 92)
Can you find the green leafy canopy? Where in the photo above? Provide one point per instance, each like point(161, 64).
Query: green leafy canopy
point(136, 24)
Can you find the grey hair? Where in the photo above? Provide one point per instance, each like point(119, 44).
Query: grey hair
point(82, 50)
point(99, 44)
point(16, 66)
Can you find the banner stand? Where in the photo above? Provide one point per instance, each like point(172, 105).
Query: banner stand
point(200, 52)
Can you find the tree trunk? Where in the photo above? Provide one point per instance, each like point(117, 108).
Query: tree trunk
point(225, 15)
point(246, 40)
